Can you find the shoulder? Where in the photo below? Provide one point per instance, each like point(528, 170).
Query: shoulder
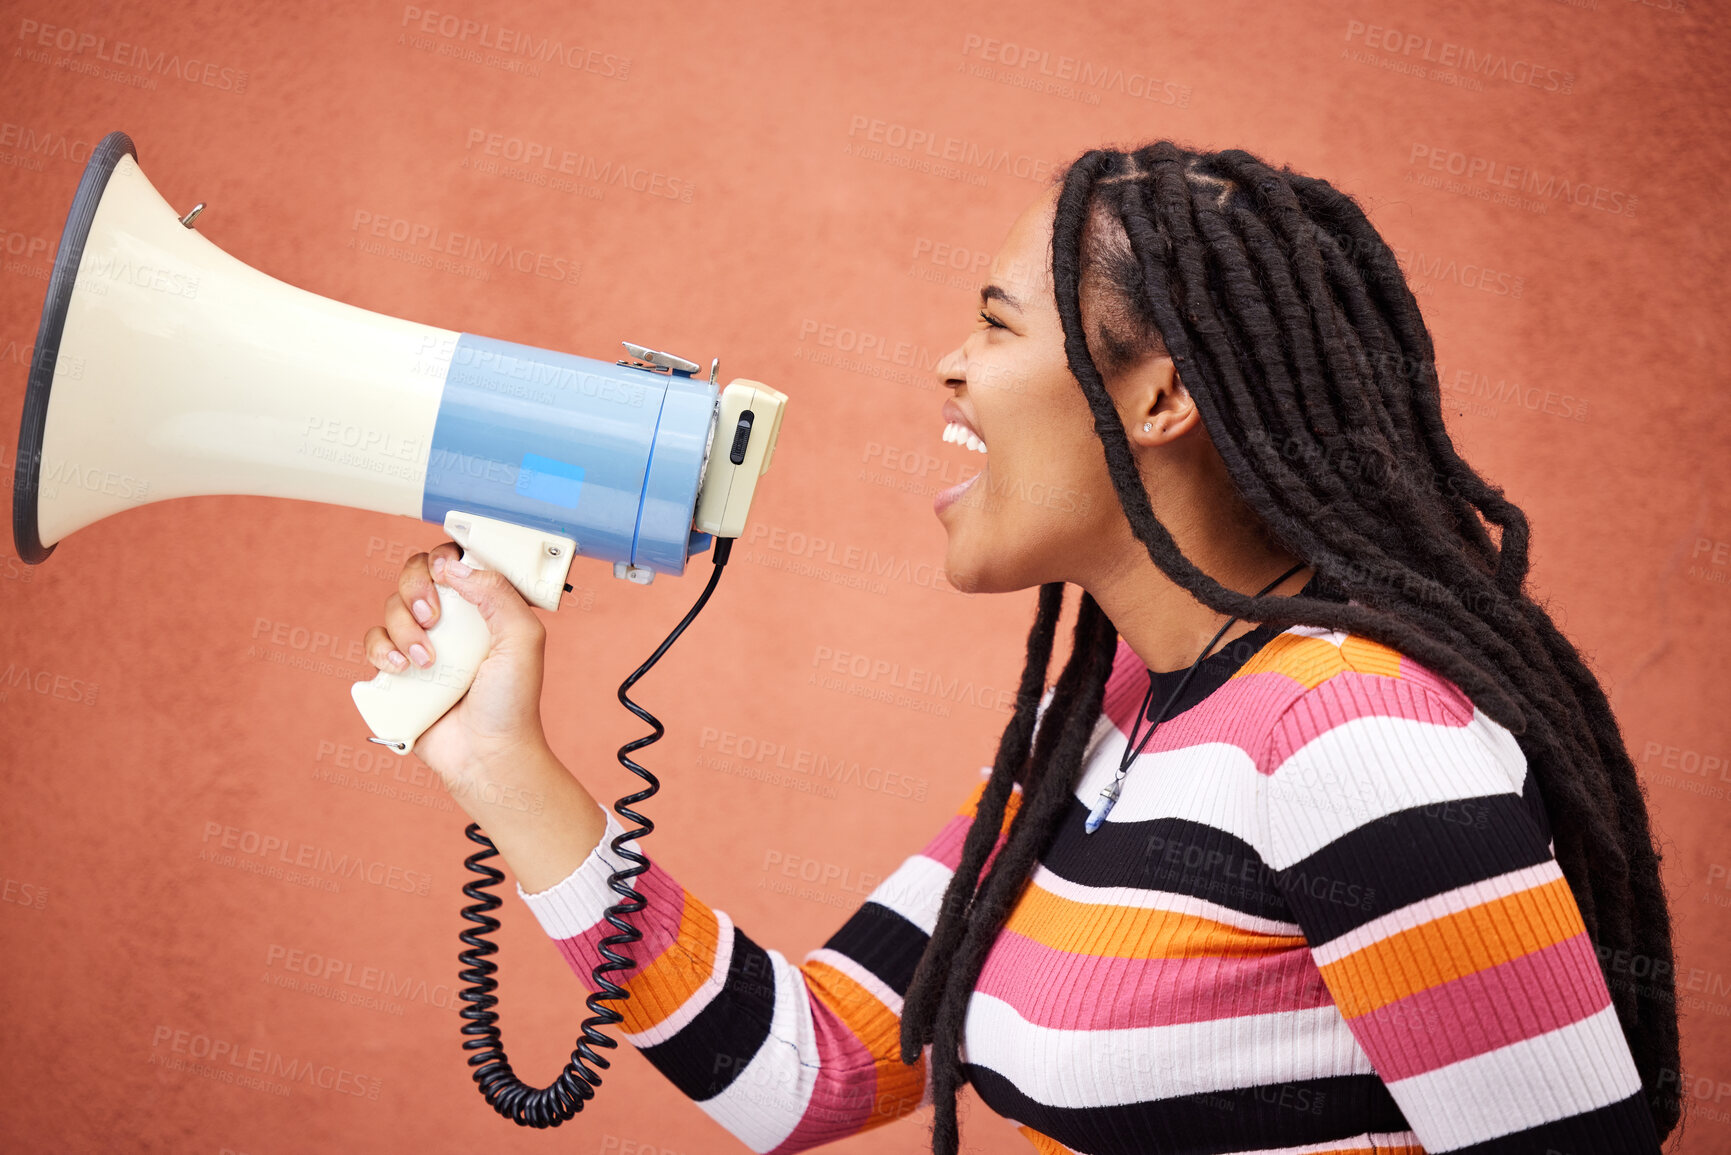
point(1304, 659)
point(1315, 681)
point(1360, 731)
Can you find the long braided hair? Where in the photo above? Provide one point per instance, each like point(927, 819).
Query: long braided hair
point(1292, 327)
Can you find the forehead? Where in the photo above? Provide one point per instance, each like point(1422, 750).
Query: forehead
point(1023, 262)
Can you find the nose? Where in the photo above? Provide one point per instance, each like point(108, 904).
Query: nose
point(952, 368)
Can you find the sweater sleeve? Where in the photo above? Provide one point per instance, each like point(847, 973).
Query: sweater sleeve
point(784, 1057)
point(1402, 828)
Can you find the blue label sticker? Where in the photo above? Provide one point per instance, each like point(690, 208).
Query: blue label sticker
point(544, 479)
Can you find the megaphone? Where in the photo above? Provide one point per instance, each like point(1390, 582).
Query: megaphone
point(166, 368)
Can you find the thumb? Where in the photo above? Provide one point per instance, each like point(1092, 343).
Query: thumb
point(509, 618)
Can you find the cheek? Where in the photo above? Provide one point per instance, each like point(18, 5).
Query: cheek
point(1058, 481)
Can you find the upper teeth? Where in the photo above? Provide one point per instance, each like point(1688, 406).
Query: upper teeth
point(960, 434)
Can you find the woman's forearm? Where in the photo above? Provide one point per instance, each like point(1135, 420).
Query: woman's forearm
point(539, 816)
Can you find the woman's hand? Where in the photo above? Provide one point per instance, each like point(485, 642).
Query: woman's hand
point(497, 724)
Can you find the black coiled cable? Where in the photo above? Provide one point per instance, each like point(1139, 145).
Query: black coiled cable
point(575, 1085)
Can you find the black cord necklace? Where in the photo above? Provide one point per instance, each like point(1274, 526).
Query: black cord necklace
point(1109, 796)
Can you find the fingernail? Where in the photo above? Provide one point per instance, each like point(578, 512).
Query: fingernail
point(438, 566)
point(423, 612)
point(459, 569)
point(419, 653)
point(396, 659)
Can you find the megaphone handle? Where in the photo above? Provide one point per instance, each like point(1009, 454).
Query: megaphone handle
point(399, 707)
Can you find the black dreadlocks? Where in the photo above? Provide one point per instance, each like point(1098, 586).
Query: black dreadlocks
point(1292, 327)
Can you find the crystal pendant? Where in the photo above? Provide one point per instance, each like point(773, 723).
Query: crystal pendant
point(1102, 806)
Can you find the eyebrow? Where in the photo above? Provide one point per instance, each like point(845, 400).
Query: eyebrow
point(998, 293)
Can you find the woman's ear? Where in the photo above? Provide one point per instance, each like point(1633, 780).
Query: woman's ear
point(1158, 408)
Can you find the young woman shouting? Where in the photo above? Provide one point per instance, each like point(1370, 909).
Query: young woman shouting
point(1316, 841)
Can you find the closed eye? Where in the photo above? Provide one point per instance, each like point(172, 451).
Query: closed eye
point(991, 320)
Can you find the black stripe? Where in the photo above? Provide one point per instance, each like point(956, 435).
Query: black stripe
point(1242, 1119)
point(1621, 1128)
point(1406, 856)
point(1213, 672)
point(1536, 807)
point(883, 942)
point(1171, 854)
point(705, 1055)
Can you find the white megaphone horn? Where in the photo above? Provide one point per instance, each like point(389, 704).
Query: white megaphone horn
point(166, 368)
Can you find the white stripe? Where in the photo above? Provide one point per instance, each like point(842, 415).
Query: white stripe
point(874, 986)
point(707, 991)
point(1100, 1068)
point(915, 890)
point(1373, 1141)
point(1141, 898)
point(1564, 1072)
point(1437, 906)
point(767, 1099)
point(1369, 768)
point(1212, 783)
point(580, 900)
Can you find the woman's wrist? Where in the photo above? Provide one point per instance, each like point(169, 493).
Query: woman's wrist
point(539, 816)
point(511, 777)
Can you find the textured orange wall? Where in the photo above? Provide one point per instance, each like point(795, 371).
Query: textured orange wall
point(1586, 375)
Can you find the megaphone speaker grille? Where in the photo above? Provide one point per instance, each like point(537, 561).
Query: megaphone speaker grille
point(27, 470)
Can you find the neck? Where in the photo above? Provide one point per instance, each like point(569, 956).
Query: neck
point(1164, 623)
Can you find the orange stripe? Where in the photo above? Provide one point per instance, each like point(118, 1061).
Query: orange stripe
point(1106, 930)
point(871, 1022)
point(1307, 661)
point(1312, 661)
point(1367, 657)
point(1011, 804)
point(1044, 1144)
point(1458, 944)
point(662, 987)
point(899, 1085)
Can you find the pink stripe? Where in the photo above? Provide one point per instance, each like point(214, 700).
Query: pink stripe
point(659, 922)
point(843, 1094)
point(1082, 992)
point(946, 846)
point(1243, 707)
point(1520, 999)
point(1421, 675)
point(1348, 696)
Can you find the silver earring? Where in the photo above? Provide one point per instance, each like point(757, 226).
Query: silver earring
point(1147, 426)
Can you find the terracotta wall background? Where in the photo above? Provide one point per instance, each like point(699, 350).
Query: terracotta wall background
point(183, 668)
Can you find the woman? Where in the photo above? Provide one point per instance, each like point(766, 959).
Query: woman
point(1329, 902)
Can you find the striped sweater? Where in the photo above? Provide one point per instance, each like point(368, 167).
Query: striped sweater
point(1323, 917)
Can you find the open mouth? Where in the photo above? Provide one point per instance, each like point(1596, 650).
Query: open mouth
point(958, 431)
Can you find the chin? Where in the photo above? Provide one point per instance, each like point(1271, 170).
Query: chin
point(961, 571)
point(969, 573)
